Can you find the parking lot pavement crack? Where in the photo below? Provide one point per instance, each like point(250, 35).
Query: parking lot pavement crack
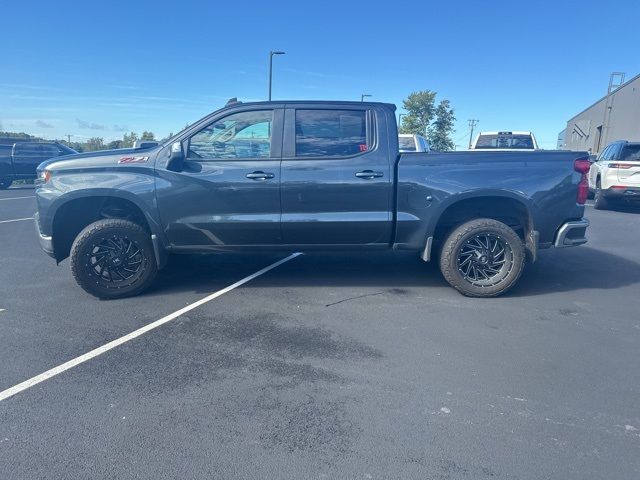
point(354, 298)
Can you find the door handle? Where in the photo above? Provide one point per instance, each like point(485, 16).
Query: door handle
point(260, 175)
point(369, 174)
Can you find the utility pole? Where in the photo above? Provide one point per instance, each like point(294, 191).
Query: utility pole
point(616, 80)
point(472, 125)
point(271, 54)
point(364, 95)
point(68, 138)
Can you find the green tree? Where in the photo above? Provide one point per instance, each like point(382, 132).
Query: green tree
point(420, 107)
point(425, 118)
point(440, 130)
point(95, 143)
point(147, 136)
point(129, 139)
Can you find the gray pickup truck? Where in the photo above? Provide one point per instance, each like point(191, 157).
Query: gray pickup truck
point(306, 175)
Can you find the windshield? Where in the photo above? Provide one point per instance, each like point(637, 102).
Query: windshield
point(505, 141)
point(407, 144)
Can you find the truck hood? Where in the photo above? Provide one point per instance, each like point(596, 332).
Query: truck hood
point(101, 158)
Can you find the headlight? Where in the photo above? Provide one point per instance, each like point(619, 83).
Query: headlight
point(44, 176)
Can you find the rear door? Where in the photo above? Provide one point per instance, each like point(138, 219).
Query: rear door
point(629, 165)
point(28, 155)
point(336, 186)
point(228, 192)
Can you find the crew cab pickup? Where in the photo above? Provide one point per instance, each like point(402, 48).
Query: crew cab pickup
point(299, 176)
point(19, 158)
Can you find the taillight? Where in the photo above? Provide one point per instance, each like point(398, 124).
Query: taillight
point(582, 166)
point(621, 165)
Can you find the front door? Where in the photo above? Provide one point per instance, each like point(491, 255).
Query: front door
point(228, 192)
point(336, 177)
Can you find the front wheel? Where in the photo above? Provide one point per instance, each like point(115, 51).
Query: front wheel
point(482, 258)
point(113, 258)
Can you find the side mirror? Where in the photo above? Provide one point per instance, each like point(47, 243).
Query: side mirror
point(176, 157)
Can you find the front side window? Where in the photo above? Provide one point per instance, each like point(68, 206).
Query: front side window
point(331, 133)
point(240, 135)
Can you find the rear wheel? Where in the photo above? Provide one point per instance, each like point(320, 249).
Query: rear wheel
point(599, 202)
point(482, 258)
point(5, 183)
point(113, 258)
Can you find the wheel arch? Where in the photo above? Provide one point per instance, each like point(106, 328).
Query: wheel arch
point(510, 208)
point(74, 212)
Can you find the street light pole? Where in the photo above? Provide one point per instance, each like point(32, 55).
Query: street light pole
point(400, 119)
point(271, 54)
point(364, 95)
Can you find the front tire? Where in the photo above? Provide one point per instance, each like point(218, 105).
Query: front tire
point(113, 258)
point(599, 202)
point(482, 258)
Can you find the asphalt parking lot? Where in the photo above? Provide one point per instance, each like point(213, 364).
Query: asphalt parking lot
point(327, 366)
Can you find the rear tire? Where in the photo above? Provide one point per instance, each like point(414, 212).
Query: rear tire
point(4, 183)
point(482, 258)
point(113, 258)
point(599, 202)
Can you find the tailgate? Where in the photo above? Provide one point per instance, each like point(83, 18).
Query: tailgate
point(629, 173)
point(629, 165)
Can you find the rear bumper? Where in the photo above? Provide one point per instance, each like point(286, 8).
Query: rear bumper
point(46, 242)
point(572, 234)
point(626, 193)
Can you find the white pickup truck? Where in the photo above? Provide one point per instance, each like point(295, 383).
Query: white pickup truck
point(517, 141)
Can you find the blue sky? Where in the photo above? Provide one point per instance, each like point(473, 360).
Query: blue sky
point(101, 68)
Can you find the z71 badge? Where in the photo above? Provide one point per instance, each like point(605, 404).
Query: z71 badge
point(133, 160)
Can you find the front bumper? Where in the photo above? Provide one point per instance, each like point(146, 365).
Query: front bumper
point(572, 234)
point(46, 242)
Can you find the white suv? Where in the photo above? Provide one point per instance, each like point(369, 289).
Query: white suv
point(615, 175)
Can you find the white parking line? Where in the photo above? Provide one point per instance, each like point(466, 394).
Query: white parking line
point(16, 220)
point(136, 333)
point(16, 198)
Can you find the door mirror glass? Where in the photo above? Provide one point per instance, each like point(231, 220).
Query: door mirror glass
point(176, 157)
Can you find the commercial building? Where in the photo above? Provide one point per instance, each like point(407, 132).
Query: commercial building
point(616, 116)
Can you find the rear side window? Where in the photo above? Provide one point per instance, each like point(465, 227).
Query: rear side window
point(36, 150)
point(331, 133)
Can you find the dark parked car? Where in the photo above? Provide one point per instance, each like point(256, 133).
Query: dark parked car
point(307, 176)
point(19, 158)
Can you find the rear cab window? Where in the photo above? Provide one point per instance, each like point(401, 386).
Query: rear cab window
point(505, 140)
point(407, 144)
point(331, 133)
